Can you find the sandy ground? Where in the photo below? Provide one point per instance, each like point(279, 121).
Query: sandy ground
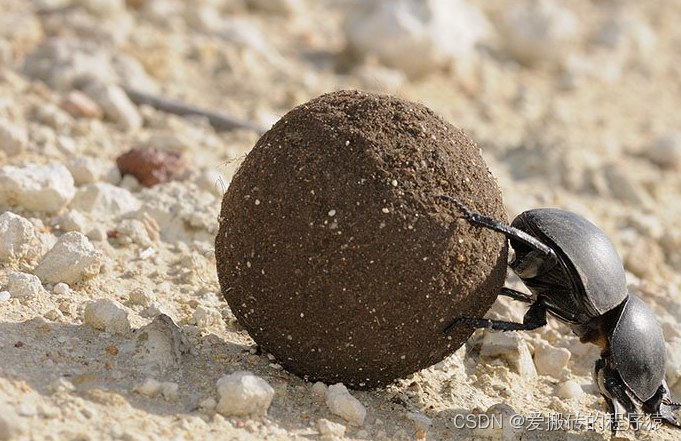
point(581, 129)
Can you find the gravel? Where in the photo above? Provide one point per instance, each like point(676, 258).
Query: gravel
point(243, 393)
point(71, 259)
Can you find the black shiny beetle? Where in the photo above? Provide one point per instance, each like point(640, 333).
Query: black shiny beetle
point(574, 273)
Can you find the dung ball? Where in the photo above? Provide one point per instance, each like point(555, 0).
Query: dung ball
point(333, 251)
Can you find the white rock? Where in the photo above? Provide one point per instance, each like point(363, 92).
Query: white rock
point(243, 393)
point(170, 390)
point(17, 237)
point(208, 404)
point(503, 431)
point(341, 403)
point(550, 360)
point(330, 429)
point(206, 318)
point(72, 220)
point(415, 36)
point(87, 170)
point(158, 346)
point(570, 389)
point(4, 296)
point(666, 151)
point(512, 348)
point(107, 315)
point(13, 139)
point(45, 188)
point(175, 206)
point(539, 30)
point(115, 103)
point(11, 425)
point(71, 259)
point(139, 296)
point(150, 388)
point(319, 389)
point(61, 289)
point(24, 285)
point(133, 231)
point(104, 201)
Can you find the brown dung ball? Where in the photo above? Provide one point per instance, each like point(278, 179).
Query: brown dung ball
point(333, 251)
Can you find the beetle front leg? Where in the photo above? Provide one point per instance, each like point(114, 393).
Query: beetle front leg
point(613, 391)
point(516, 295)
point(534, 318)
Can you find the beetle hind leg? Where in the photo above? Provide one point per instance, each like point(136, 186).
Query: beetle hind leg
point(662, 406)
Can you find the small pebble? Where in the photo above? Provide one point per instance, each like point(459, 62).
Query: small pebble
point(102, 200)
point(152, 166)
point(4, 296)
point(243, 393)
point(343, 404)
point(13, 139)
point(512, 348)
point(206, 317)
point(208, 404)
point(107, 315)
point(139, 296)
point(665, 151)
point(18, 237)
point(71, 259)
point(319, 390)
point(115, 103)
point(329, 429)
point(570, 389)
point(158, 346)
point(150, 388)
point(72, 220)
point(37, 187)
point(80, 105)
point(24, 285)
point(550, 360)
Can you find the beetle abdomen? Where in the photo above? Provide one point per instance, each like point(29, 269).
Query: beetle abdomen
point(637, 349)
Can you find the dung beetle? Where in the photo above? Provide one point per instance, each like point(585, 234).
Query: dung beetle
point(575, 274)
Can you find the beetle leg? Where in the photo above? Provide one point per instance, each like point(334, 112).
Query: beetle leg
point(534, 318)
point(509, 231)
point(516, 295)
point(614, 392)
point(662, 406)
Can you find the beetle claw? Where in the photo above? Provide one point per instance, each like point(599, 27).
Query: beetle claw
point(667, 412)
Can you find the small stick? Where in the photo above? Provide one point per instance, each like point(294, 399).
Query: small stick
point(220, 121)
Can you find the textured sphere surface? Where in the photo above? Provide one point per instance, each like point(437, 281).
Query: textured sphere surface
point(333, 251)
